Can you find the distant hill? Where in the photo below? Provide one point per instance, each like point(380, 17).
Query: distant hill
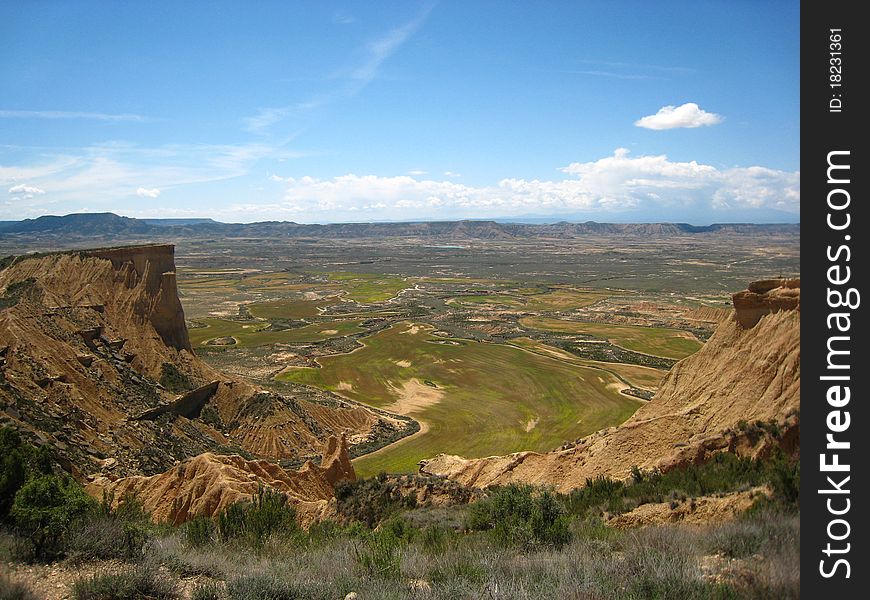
point(85, 224)
point(111, 225)
point(172, 222)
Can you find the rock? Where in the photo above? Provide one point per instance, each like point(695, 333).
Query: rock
point(209, 483)
point(351, 596)
point(86, 360)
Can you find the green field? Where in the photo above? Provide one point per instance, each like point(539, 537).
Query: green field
point(254, 334)
point(289, 309)
point(368, 288)
point(636, 375)
point(494, 399)
point(532, 299)
point(658, 341)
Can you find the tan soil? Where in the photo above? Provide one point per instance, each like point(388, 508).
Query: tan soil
point(414, 396)
point(696, 511)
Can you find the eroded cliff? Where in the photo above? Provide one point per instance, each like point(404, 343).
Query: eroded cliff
point(95, 360)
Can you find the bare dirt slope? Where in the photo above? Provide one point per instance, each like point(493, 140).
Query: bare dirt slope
point(95, 360)
point(748, 372)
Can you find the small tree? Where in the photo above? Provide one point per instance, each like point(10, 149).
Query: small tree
point(45, 507)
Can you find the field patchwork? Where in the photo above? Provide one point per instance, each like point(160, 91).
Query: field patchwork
point(473, 399)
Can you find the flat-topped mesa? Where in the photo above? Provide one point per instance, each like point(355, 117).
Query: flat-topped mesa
point(153, 268)
point(765, 297)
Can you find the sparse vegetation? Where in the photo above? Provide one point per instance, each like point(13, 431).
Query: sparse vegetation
point(173, 379)
point(139, 582)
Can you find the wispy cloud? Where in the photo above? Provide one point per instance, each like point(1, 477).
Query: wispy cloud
point(68, 114)
point(630, 71)
point(342, 17)
point(379, 50)
point(613, 75)
point(351, 81)
point(107, 172)
point(687, 116)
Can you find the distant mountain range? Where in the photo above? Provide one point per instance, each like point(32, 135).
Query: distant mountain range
point(112, 225)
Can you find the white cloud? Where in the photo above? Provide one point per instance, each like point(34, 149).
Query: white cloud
point(688, 115)
point(417, 172)
point(451, 174)
point(69, 114)
point(364, 70)
point(148, 193)
point(25, 189)
point(613, 184)
point(110, 171)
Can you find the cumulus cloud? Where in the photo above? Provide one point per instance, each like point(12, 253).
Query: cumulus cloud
point(148, 193)
point(617, 183)
point(688, 115)
point(26, 189)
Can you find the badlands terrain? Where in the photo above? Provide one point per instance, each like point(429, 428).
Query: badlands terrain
point(396, 389)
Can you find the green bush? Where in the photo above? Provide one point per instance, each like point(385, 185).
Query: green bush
point(378, 556)
point(135, 584)
point(255, 522)
point(725, 472)
point(435, 538)
point(518, 517)
point(45, 508)
point(199, 532)
point(398, 528)
point(174, 380)
point(19, 461)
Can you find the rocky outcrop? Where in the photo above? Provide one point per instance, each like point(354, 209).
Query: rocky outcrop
point(703, 510)
point(209, 483)
point(153, 272)
point(98, 364)
point(740, 393)
point(766, 297)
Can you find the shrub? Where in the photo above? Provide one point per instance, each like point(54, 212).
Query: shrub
point(519, 518)
point(14, 590)
point(19, 461)
point(199, 532)
point(398, 528)
point(101, 536)
point(378, 556)
point(435, 538)
point(44, 509)
point(173, 379)
point(206, 591)
point(255, 522)
point(134, 584)
point(261, 587)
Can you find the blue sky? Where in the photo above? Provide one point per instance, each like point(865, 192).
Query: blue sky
point(361, 111)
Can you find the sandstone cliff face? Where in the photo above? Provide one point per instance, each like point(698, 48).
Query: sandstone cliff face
point(209, 483)
point(86, 338)
point(748, 371)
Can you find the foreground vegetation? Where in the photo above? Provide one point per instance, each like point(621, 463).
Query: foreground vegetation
point(515, 542)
